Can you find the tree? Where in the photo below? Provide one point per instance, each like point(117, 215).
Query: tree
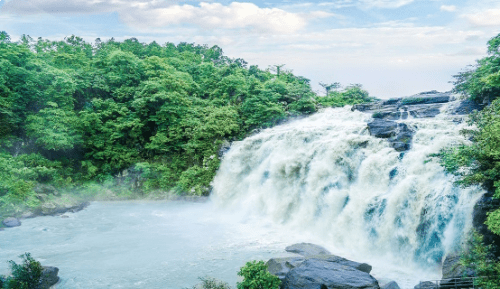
point(26, 275)
point(329, 87)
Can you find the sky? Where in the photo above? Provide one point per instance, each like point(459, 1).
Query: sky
point(392, 47)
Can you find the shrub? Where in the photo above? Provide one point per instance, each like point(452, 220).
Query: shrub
point(256, 276)
point(24, 276)
point(211, 283)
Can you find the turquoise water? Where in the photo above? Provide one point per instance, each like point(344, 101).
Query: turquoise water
point(140, 245)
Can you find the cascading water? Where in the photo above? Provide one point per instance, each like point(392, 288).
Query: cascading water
point(325, 176)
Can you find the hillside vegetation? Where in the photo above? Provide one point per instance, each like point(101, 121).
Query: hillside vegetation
point(149, 117)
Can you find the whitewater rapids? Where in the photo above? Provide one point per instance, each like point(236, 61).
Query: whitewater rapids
point(325, 179)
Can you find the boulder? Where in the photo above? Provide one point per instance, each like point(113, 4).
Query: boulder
point(279, 267)
point(49, 277)
point(391, 285)
point(51, 209)
point(426, 285)
point(307, 249)
point(321, 274)
point(363, 267)
point(11, 222)
point(382, 128)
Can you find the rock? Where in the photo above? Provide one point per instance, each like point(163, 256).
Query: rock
point(28, 215)
point(382, 128)
point(426, 285)
point(307, 249)
point(51, 209)
point(453, 269)
point(363, 267)
point(479, 215)
point(399, 135)
point(49, 277)
point(466, 106)
point(224, 148)
point(391, 285)
point(279, 267)
point(320, 274)
point(11, 222)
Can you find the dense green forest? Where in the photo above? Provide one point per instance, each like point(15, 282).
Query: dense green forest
point(146, 117)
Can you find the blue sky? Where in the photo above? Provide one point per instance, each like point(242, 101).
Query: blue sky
point(392, 47)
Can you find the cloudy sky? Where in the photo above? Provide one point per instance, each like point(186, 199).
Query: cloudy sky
point(392, 47)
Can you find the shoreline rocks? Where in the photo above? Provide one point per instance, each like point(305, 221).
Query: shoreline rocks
point(11, 222)
point(318, 268)
point(49, 277)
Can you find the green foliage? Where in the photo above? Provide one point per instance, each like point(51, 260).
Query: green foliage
point(24, 276)
point(211, 283)
point(256, 276)
point(479, 258)
point(353, 94)
point(90, 112)
point(481, 82)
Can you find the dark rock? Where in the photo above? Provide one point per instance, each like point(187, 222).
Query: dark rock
point(367, 106)
point(391, 285)
point(363, 267)
point(479, 215)
point(281, 266)
point(224, 148)
point(453, 269)
point(49, 277)
point(382, 128)
point(392, 101)
point(11, 222)
point(426, 285)
point(320, 274)
point(467, 106)
point(425, 111)
point(307, 249)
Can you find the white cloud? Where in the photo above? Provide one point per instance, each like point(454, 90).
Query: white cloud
point(144, 14)
point(215, 15)
point(489, 17)
point(448, 8)
point(386, 3)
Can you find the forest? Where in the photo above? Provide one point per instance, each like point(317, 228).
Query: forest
point(140, 119)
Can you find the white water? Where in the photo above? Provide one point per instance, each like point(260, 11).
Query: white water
point(325, 179)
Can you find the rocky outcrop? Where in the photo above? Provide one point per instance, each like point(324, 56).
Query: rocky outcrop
point(51, 209)
point(311, 257)
point(321, 274)
point(481, 208)
point(11, 222)
point(452, 268)
point(398, 134)
point(49, 277)
point(307, 249)
point(386, 114)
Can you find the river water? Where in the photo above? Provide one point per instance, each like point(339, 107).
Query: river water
point(322, 179)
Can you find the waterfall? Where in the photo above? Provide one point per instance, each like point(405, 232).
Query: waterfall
point(327, 177)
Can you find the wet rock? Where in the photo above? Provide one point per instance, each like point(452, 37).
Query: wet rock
point(453, 269)
point(382, 128)
point(426, 285)
point(307, 249)
point(49, 277)
point(467, 106)
point(479, 215)
point(224, 148)
point(52, 209)
point(363, 267)
point(11, 222)
point(391, 285)
point(319, 274)
point(279, 267)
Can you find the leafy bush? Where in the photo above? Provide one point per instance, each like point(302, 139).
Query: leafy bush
point(353, 94)
point(256, 276)
point(211, 283)
point(24, 276)
point(479, 258)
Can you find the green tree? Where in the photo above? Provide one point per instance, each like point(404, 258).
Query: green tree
point(26, 275)
point(256, 276)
